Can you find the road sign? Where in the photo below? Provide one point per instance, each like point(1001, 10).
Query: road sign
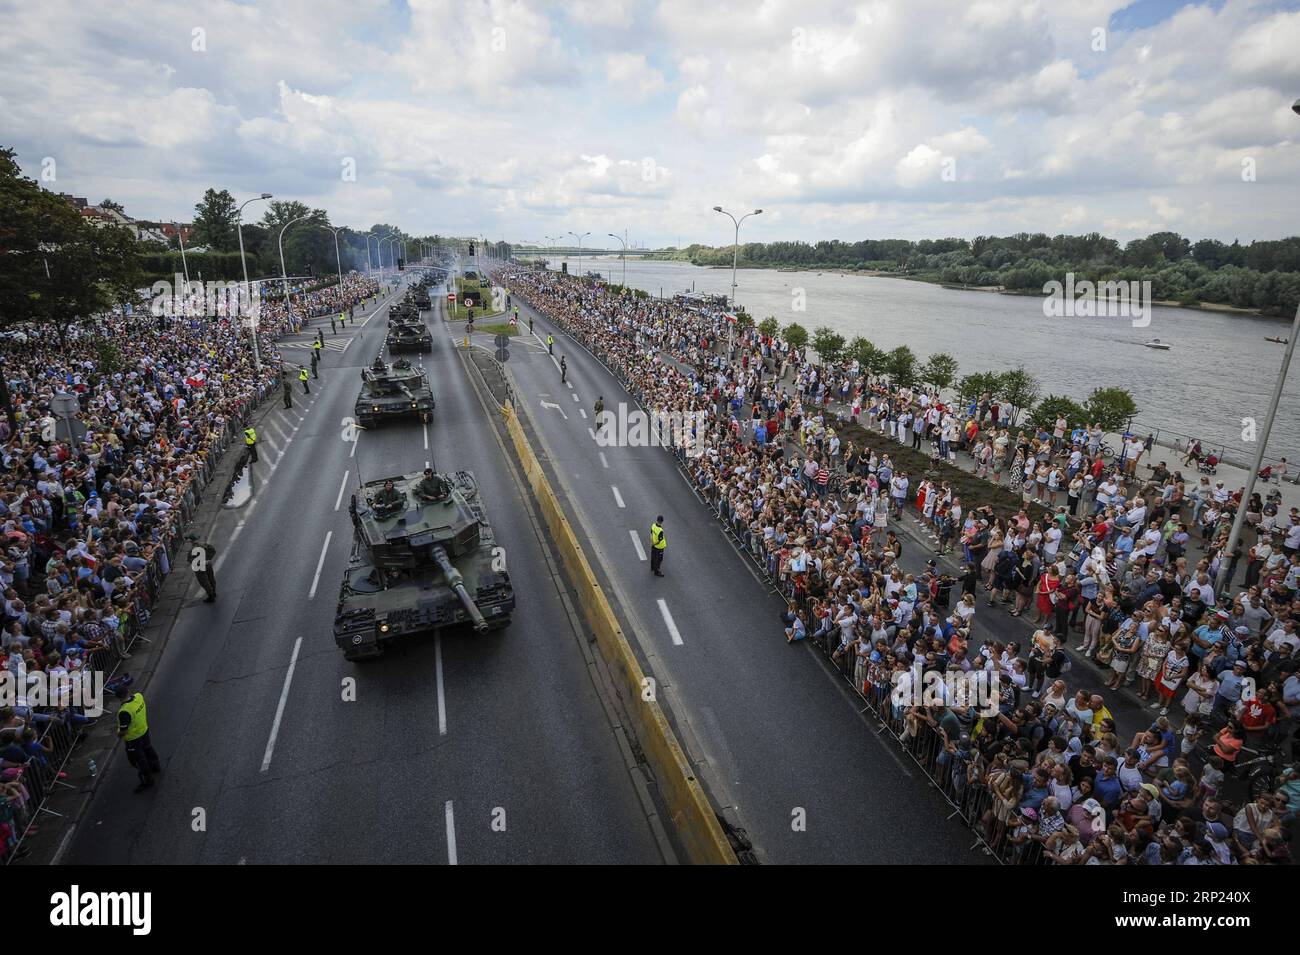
point(469, 302)
point(502, 340)
point(503, 354)
point(451, 296)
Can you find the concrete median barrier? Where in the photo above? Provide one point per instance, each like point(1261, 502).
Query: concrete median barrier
point(696, 823)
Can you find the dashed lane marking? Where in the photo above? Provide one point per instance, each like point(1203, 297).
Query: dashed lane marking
point(669, 623)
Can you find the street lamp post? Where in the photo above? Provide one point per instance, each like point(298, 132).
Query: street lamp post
point(243, 261)
point(580, 238)
point(181, 239)
point(1234, 536)
point(735, 257)
point(624, 241)
point(284, 273)
point(337, 258)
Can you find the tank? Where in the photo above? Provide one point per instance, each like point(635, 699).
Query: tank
point(420, 297)
point(393, 391)
point(424, 559)
point(404, 338)
point(403, 313)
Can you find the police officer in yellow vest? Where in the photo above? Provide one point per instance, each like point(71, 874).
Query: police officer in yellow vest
point(657, 545)
point(302, 376)
point(250, 443)
point(315, 357)
point(550, 342)
point(133, 729)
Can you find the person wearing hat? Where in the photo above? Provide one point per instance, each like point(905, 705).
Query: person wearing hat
point(286, 389)
point(201, 558)
point(1216, 833)
point(302, 377)
point(658, 543)
point(133, 730)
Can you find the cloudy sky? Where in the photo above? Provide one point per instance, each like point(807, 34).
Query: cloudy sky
point(911, 118)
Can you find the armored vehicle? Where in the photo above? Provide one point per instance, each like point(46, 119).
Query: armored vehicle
point(403, 313)
point(393, 391)
point(409, 338)
point(420, 296)
point(423, 558)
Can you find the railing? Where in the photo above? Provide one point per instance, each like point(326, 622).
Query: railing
point(915, 732)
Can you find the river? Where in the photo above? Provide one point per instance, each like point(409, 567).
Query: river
point(1218, 370)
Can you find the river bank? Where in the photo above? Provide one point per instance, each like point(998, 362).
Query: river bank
point(958, 287)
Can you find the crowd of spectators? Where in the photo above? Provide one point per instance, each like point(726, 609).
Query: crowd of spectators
point(91, 524)
point(1055, 779)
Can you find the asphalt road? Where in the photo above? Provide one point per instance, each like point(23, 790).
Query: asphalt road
point(777, 738)
point(461, 748)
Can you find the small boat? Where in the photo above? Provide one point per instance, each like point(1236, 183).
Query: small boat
point(1157, 343)
point(1280, 341)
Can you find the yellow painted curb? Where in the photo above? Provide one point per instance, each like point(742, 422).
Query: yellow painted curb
point(692, 816)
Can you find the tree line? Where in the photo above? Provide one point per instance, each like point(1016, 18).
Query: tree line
point(1263, 275)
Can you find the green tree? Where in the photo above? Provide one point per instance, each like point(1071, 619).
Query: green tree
point(1046, 412)
point(974, 386)
point(1020, 389)
point(870, 358)
point(940, 370)
point(769, 326)
point(796, 336)
point(1110, 407)
point(829, 344)
point(214, 221)
point(900, 365)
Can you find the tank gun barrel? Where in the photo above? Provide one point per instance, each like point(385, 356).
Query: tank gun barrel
point(457, 583)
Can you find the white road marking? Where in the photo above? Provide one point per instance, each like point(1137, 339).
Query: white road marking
point(425, 431)
point(569, 383)
point(575, 394)
point(583, 412)
point(265, 441)
point(319, 564)
point(618, 498)
point(451, 835)
point(668, 622)
point(636, 542)
point(238, 529)
point(592, 432)
point(549, 404)
point(279, 710)
point(355, 441)
point(603, 462)
point(437, 677)
point(342, 487)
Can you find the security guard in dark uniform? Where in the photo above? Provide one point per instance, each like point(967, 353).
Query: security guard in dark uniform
point(302, 376)
point(657, 544)
point(250, 443)
point(133, 729)
point(564, 370)
point(287, 389)
point(204, 573)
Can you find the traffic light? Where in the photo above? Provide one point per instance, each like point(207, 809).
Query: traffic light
point(401, 264)
point(471, 250)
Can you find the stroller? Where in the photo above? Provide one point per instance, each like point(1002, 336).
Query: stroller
point(1208, 464)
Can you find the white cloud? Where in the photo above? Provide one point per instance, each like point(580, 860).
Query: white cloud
point(629, 73)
